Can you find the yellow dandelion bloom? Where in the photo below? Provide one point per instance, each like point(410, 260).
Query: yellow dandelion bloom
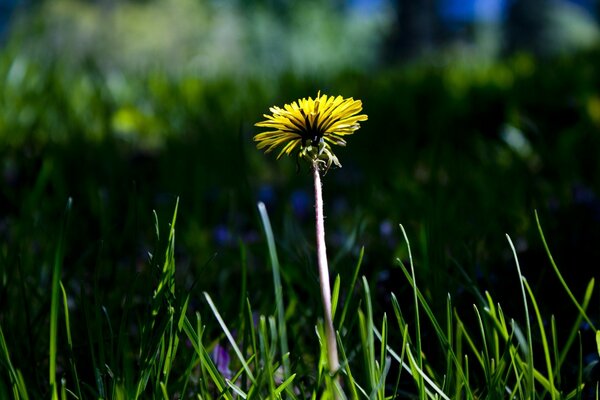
point(311, 126)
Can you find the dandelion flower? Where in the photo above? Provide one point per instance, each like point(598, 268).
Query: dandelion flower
point(310, 126)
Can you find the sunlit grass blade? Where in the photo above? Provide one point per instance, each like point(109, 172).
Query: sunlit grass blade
point(283, 342)
point(167, 271)
point(577, 324)
point(229, 337)
point(238, 391)
point(450, 338)
point(529, 340)
point(252, 330)
point(419, 360)
point(207, 366)
point(405, 336)
point(163, 390)
point(487, 369)
point(19, 388)
point(549, 381)
point(284, 385)
point(244, 277)
point(555, 352)
point(384, 359)
point(172, 341)
point(54, 308)
point(418, 371)
point(464, 334)
point(351, 382)
point(263, 338)
point(437, 327)
point(367, 338)
point(70, 341)
point(335, 293)
point(559, 275)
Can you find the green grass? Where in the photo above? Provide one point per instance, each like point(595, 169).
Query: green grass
point(109, 300)
point(167, 351)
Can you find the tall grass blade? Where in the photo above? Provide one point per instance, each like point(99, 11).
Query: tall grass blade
point(419, 360)
point(54, 308)
point(559, 275)
point(244, 278)
point(351, 288)
point(487, 368)
point(418, 371)
point(335, 294)
point(577, 324)
point(367, 338)
point(437, 327)
point(550, 380)
point(352, 384)
point(229, 337)
point(19, 388)
point(207, 366)
point(283, 342)
point(263, 337)
point(530, 369)
point(70, 341)
point(168, 268)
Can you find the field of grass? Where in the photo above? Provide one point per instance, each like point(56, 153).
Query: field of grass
point(135, 263)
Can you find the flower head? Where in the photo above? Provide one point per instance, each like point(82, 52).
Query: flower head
point(310, 126)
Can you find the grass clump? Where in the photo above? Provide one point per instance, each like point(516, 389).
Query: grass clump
point(177, 343)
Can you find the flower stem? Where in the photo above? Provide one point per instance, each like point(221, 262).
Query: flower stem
point(332, 352)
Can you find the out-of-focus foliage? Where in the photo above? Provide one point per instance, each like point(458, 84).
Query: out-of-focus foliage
point(204, 38)
point(461, 152)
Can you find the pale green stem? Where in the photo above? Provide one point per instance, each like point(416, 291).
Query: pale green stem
point(332, 351)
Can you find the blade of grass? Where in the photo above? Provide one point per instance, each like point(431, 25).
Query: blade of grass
point(559, 275)
point(70, 341)
point(405, 337)
point(335, 293)
point(577, 324)
point(384, 359)
point(351, 289)
point(16, 379)
point(436, 325)
point(58, 261)
point(229, 337)
point(555, 352)
point(284, 385)
point(550, 380)
point(487, 369)
point(244, 278)
point(425, 378)
point(346, 367)
point(369, 340)
point(283, 342)
point(207, 366)
point(419, 361)
point(168, 269)
point(252, 329)
point(265, 350)
point(530, 369)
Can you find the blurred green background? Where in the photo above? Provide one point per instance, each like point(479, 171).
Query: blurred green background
point(480, 112)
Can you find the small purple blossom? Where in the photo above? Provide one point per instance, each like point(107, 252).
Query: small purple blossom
point(221, 358)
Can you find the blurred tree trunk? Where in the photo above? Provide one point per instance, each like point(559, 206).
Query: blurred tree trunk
point(526, 24)
point(416, 29)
